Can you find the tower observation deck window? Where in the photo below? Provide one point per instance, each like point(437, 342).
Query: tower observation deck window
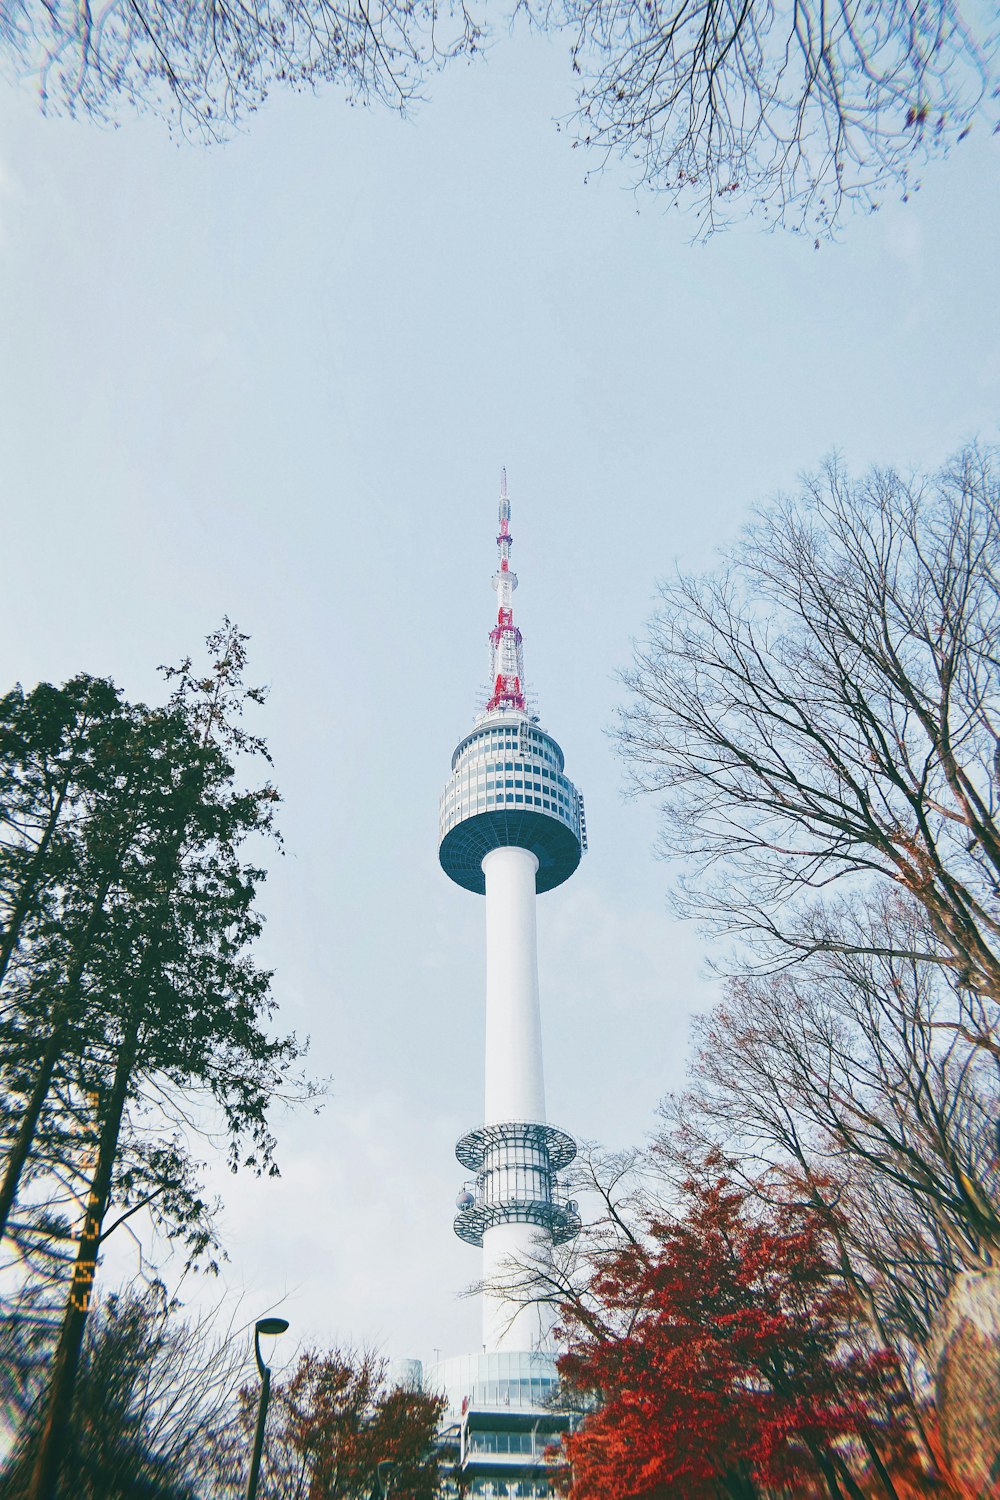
point(508, 1442)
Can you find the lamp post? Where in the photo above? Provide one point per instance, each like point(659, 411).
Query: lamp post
point(384, 1473)
point(271, 1327)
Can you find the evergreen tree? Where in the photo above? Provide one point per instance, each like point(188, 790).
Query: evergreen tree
point(133, 1000)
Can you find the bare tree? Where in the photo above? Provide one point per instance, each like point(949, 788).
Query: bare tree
point(824, 712)
point(156, 1397)
point(206, 64)
point(785, 110)
point(849, 1077)
point(622, 1194)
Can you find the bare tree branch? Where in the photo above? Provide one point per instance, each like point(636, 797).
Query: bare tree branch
point(824, 712)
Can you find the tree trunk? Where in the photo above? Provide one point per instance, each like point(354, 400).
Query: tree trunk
point(879, 1466)
point(850, 1483)
point(21, 1148)
point(864, 1294)
point(739, 1484)
point(829, 1473)
point(64, 1007)
point(830, 1479)
point(32, 884)
point(56, 1430)
point(53, 1442)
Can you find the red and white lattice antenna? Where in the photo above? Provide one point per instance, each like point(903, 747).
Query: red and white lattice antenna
point(506, 656)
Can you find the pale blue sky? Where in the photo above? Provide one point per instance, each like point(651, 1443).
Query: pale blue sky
point(278, 379)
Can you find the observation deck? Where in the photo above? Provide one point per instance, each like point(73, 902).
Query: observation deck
point(515, 1165)
point(508, 787)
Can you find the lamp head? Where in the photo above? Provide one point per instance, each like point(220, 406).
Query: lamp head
point(272, 1326)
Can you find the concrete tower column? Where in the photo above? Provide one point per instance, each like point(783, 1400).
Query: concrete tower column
point(515, 1087)
point(506, 1324)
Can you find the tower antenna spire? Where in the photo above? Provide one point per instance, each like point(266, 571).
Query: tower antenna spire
point(506, 651)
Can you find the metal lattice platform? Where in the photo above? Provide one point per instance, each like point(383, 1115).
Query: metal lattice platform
point(512, 1135)
point(562, 1220)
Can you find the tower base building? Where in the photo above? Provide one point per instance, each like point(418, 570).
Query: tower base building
point(502, 1416)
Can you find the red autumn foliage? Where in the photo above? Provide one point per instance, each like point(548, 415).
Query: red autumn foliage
point(726, 1360)
point(335, 1418)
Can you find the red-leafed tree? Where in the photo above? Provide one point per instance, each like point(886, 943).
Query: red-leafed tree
point(333, 1421)
point(722, 1357)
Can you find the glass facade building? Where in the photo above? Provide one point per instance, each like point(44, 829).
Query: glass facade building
point(501, 1421)
point(497, 1381)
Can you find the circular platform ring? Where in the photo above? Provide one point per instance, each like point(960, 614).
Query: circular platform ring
point(464, 847)
point(562, 1222)
point(559, 1148)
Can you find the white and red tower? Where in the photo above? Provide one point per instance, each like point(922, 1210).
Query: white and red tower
point(512, 827)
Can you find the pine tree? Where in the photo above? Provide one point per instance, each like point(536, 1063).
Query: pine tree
point(135, 998)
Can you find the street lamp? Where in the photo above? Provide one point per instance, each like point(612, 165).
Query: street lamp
point(383, 1473)
point(270, 1327)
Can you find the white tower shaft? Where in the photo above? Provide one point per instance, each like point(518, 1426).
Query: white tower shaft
point(508, 1324)
point(515, 1087)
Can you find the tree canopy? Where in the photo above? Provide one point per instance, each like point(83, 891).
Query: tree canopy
point(134, 1014)
point(717, 1350)
point(821, 715)
point(781, 110)
point(335, 1417)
